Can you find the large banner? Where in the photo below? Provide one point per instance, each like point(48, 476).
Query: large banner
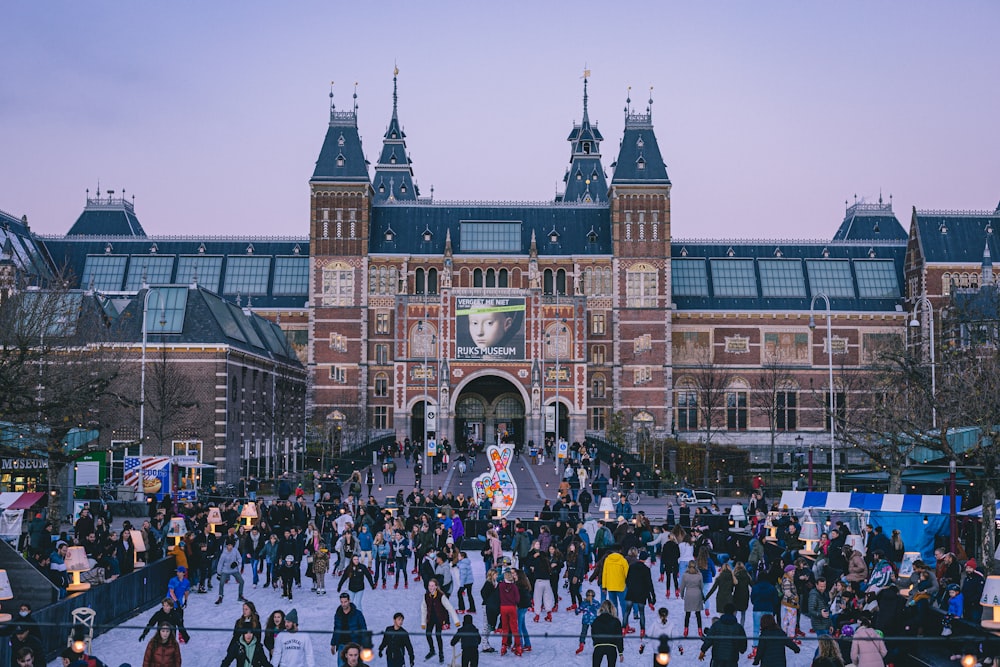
point(489, 328)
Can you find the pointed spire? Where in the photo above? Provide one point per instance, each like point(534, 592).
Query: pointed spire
point(987, 266)
point(395, 73)
point(586, 116)
point(649, 107)
point(333, 107)
point(447, 242)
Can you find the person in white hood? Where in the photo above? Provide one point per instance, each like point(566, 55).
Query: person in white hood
point(292, 648)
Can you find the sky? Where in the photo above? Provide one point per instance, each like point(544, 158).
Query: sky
point(770, 115)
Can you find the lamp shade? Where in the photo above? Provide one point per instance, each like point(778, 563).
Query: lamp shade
point(214, 516)
point(177, 528)
point(138, 542)
point(991, 598)
point(6, 592)
point(737, 513)
point(249, 511)
point(810, 531)
point(906, 566)
point(76, 560)
point(606, 506)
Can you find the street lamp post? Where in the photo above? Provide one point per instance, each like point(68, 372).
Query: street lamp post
point(829, 356)
point(922, 300)
point(560, 333)
point(952, 519)
point(142, 372)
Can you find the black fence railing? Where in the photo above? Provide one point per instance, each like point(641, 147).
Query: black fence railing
point(114, 602)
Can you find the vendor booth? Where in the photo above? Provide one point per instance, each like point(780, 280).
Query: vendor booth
point(919, 519)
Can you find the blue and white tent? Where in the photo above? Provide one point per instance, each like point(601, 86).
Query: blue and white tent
point(918, 518)
point(868, 502)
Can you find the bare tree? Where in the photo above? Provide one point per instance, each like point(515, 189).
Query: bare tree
point(711, 383)
point(168, 403)
point(769, 398)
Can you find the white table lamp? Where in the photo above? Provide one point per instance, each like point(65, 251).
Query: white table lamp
point(138, 546)
point(607, 507)
point(76, 562)
point(810, 535)
point(249, 513)
point(6, 593)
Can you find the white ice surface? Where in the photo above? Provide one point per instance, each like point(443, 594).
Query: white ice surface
point(211, 626)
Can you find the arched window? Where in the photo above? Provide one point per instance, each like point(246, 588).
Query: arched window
point(373, 280)
point(381, 385)
point(477, 278)
point(736, 406)
point(561, 281)
point(432, 281)
point(393, 280)
point(547, 282)
point(502, 278)
point(418, 281)
point(508, 408)
point(491, 278)
point(338, 285)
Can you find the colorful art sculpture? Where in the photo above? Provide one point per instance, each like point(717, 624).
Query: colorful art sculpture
point(497, 484)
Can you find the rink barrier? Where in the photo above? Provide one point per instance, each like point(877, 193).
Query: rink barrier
point(115, 602)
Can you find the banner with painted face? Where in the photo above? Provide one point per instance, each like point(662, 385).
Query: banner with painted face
point(489, 328)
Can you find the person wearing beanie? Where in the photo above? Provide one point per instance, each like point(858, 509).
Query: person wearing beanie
point(293, 648)
point(972, 590)
point(789, 601)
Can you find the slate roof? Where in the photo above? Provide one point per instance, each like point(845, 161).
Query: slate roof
point(864, 221)
point(639, 159)
point(342, 158)
point(111, 215)
point(393, 171)
point(796, 262)
point(217, 261)
point(408, 223)
point(20, 246)
point(957, 237)
point(585, 178)
point(210, 319)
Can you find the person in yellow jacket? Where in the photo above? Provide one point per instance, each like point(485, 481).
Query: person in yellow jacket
point(613, 578)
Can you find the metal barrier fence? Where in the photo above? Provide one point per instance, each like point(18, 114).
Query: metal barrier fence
point(114, 601)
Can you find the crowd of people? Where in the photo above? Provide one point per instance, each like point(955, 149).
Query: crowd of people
point(605, 573)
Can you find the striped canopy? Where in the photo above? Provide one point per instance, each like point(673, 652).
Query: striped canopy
point(871, 502)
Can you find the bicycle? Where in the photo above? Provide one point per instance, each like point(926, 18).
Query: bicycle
point(631, 496)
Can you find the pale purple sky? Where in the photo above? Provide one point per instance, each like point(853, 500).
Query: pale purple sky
point(769, 114)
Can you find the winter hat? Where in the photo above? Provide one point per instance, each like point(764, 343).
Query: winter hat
point(289, 558)
point(789, 568)
point(971, 563)
point(292, 617)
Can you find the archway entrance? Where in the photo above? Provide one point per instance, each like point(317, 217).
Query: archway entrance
point(489, 406)
point(418, 417)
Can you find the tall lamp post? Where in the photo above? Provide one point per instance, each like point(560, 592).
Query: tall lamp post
point(142, 369)
point(922, 300)
point(426, 345)
point(829, 356)
point(560, 332)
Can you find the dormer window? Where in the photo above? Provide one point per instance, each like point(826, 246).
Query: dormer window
point(639, 143)
point(392, 159)
point(586, 147)
point(152, 249)
point(553, 236)
point(340, 160)
point(428, 235)
point(402, 188)
point(381, 187)
point(579, 176)
point(389, 234)
point(340, 140)
point(392, 136)
point(640, 164)
point(592, 236)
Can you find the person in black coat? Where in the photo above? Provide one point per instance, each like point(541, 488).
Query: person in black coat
point(638, 592)
point(770, 652)
point(469, 636)
point(606, 633)
point(166, 614)
point(726, 639)
point(246, 648)
point(396, 643)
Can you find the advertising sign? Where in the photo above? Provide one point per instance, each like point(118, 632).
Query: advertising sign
point(154, 474)
point(489, 328)
point(432, 418)
point(550, 418)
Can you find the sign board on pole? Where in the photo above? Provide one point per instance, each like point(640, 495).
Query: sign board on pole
point(432, 419)
point(550, 418)
point(563, 449)
point(431, 447)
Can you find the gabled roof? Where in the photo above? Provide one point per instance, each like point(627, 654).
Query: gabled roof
point(111, 216)
point(639, 159)
point(410, 222)
point(864, 221)
point(342, 158)
point(22, 249)
point(957, 237)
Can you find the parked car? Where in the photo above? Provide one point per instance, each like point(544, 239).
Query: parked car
point(695, 497)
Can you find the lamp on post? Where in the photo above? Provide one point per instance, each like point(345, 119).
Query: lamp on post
point(555, 341)
point(952, 519)
point(922, 300)
point(829, 356)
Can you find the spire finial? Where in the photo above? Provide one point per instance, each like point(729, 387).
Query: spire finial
point(355, 99)
point(333, 106)
point(628, 100)
point(586, 75)
point(395, 73)
point(649, 108)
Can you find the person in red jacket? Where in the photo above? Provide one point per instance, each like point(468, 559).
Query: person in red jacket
point(509, 597)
